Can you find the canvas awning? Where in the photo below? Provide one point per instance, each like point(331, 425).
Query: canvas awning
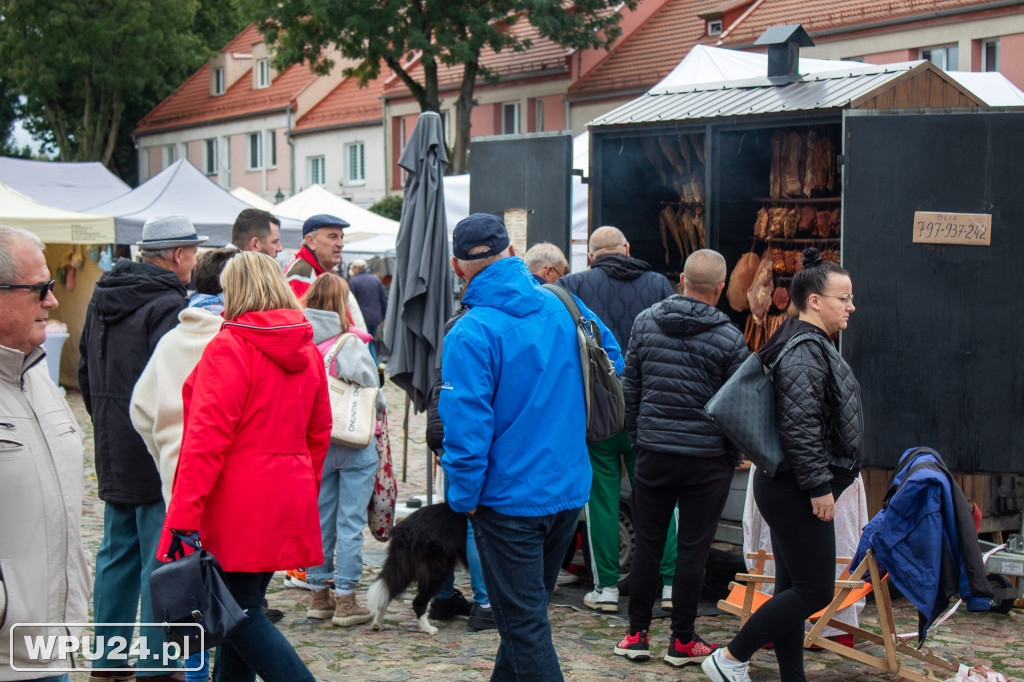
point(53, 225)
point(315, 199)
point(71, 186)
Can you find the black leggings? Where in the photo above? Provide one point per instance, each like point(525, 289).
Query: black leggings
point(805, 556)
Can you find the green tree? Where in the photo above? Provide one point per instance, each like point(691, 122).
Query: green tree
point(388, 33)
point(389, 207)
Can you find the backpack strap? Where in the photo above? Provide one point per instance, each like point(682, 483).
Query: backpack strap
point(577, 317)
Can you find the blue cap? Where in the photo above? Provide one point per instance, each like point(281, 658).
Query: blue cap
point(322, 220)
point(479, 229)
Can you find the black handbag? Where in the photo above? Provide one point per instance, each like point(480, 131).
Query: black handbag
point(191, 591)
point(745, 409)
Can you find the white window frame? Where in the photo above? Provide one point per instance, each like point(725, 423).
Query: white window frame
point(271, 145)
point(355, 176)
point(714, 27)
point(254, 152)
point(210, 156)
point(218, 81)
point(985, 66)
point(315, 166)
point(169, 154)
point(944, 50)
point(538, 115)
point(514, 108)
point(262, 73)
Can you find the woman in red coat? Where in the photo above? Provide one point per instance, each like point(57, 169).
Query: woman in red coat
point(257, 427)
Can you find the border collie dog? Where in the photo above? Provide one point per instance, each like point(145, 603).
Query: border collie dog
point(424, 549)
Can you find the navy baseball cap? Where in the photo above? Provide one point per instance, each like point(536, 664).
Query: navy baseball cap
point(322, 220)
point(479, 229)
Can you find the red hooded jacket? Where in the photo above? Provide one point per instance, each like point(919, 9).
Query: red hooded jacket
point(257, 428)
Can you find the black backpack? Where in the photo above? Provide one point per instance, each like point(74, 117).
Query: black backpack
point(606, 405)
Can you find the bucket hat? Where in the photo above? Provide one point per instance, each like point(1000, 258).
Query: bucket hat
point(161, 232)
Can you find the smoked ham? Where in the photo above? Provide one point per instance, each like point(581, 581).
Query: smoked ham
point(740, 280)
point(759, 295)
point(655, 158)
point(793, 153)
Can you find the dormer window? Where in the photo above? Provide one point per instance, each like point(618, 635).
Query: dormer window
point(263, 73)
point(715, 27)
point(218, 81)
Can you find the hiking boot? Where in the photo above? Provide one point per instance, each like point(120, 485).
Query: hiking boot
point(666, 597)
point(694, 651)
point(348, 611)
point(448, 608)
point(603, 599)
point(481, 618)
point(566, 578)
point(634, 647)
point(720, 669)
point(297, 578)
point(273, 615)
point(323, 604)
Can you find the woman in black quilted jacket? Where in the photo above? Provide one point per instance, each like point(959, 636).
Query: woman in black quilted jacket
point(820, 428)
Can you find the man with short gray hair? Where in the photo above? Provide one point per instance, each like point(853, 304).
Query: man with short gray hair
point(132, 307)
point(546, 262)
point(45, 576)
point(680, 353)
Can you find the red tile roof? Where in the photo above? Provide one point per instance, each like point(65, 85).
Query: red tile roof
point(192, 104)
point(345, 105)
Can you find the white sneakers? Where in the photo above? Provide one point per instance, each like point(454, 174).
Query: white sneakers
point(566, 578)
point(666, 597)
point(720, 669)
point(603, 599)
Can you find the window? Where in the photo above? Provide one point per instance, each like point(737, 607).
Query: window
point(218, 81)
point(715, 27)
point(271, 149)
point(315, 170)
point(990, 55)
point(946, 57)
point(210, 156)
point(170, 154)
point(254, 151)
point(510, 118)
point(355, 163)
point(263, 73)
point(538, 115)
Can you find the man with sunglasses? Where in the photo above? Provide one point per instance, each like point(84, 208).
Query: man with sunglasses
point(45, 568)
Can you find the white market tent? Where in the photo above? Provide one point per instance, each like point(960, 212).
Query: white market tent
point(53, 225)
point(253, 199)
point(71, 186)
point(315, 199)
point(181, 188)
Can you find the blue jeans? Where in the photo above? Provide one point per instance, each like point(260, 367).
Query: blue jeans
point(126, 557)
point(55, 678)
point(345, 491)
point(372, 330)
point(476, 575)
point(521, 556)
point(256, 647)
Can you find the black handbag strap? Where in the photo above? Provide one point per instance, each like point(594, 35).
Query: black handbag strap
point(795, 339)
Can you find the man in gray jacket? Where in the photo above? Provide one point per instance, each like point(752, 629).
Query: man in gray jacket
point(44, 570)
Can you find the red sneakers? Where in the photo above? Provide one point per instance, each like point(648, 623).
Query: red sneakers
point(634, 647)
point(696, 651)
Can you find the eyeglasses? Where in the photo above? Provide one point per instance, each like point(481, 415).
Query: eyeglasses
point(43, 289)
point(846, 299)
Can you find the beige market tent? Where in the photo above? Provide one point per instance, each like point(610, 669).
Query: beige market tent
point(53, 225)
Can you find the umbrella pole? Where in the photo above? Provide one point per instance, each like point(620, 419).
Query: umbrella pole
point(405, 437)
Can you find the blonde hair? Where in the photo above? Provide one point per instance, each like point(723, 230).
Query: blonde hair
point(252, 282)
point(329, 292)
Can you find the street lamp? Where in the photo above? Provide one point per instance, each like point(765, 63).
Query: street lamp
point(279, 197)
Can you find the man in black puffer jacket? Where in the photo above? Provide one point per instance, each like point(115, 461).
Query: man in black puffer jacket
point(680, 353)
point(616, 288)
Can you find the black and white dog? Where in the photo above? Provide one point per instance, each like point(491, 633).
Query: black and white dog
point(424, 549)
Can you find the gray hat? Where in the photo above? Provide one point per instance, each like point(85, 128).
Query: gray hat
point(162, 232)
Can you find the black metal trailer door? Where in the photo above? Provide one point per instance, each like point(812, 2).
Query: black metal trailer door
point(936, 340)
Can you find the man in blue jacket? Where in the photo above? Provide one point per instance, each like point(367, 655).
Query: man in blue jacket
point(514, 418)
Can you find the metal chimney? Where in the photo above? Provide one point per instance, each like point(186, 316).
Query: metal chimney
point(784, 43)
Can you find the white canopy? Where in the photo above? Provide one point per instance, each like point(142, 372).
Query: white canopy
point(315, 199)
point(71, 186)
point(53, 225)
point(181, 188)
point(253, 199)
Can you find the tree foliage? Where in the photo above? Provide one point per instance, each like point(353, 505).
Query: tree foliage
point(403, 35)
point(389, 207)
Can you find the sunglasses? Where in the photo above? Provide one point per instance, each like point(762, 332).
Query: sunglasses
point(43, 289)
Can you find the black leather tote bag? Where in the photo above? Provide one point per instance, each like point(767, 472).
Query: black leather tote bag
point(745, 409)
point(191, 591)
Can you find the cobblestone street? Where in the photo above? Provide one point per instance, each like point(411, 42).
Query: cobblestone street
point(584, 638)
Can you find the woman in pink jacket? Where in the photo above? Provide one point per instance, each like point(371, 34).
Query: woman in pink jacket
point(257, 426)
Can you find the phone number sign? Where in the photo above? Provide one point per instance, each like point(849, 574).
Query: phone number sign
point(971, 229)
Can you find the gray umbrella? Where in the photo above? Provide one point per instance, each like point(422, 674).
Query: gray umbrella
point(421, 290)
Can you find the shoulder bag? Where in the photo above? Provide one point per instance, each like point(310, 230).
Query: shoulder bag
point(745, 409)
point(353, 407)
point(380, 513)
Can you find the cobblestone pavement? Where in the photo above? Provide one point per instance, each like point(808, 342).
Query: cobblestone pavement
point(584, 638)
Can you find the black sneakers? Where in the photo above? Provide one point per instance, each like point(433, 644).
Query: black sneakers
point(446, 609)
point(481, 618)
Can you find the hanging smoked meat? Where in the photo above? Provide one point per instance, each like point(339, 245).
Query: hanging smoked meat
point(775, 174)
point(780, 299)
point(666, 215)
point(697, 187)
point(740, 280)
point(684, 149)
point(761, 224)
point(807, 215)
point(776, 218)
point(655, 158)
point(697, 140)
point(790, 222)
point(759, 295)
point(698, 224)
point(672, 152)
point(793, 153)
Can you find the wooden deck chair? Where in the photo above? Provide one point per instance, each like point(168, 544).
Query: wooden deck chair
point(744, 598)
